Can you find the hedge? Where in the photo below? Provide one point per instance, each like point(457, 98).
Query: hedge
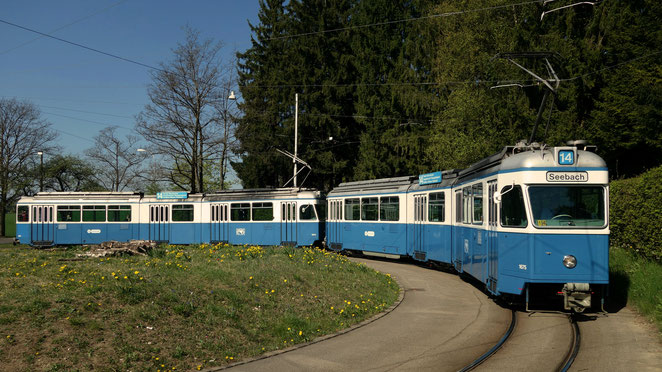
point(636, 214)
point(10, 224)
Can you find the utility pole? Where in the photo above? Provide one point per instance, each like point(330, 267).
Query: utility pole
point(296, 134)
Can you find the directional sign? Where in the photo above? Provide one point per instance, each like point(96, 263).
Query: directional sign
point(429, 178)
point(172, 195)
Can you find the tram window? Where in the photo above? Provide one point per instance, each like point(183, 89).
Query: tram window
point(437, 207)
point(182, 212)
point(263, 212)
point(477, 191)
point(94, 213)
point(389, 208)
point(466, 205)
point(369, 207)
point(458, 207)
point(513, 213)
point(119, 213)
point(567, 206)
point(307, 212)
point(352, 209)
point(68, 213)
point(22, 213)
point(240, 212)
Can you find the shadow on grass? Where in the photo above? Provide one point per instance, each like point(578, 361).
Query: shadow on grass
point(619, 285)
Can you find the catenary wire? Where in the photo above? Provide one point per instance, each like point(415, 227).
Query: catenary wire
point(65, 26)
point(82, 46)
point(440, 15)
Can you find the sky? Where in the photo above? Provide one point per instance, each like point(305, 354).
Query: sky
point(81, 92)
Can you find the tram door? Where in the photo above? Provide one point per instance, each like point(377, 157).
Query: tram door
point(219, 225)
point(334, 233)
point(492, 248)
point(159, 222)
point(458, 240)
point(288, 223)
point(42, 228)
point(420, 215)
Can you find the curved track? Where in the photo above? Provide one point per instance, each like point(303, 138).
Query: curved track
point(542, 342)
point(574, 349)
point(496, 347)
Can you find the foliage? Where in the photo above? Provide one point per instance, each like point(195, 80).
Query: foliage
point(181, 307)
point(68, 173)
point(412, 93)
point(10, 224)
point(635, 215)
point(639, 280)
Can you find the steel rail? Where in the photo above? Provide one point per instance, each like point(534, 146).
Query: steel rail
point(574, 347)
point(494, 348)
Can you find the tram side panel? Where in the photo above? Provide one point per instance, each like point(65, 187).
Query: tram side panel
point(437, 229)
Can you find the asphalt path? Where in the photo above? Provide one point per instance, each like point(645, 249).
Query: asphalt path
point(442, 324)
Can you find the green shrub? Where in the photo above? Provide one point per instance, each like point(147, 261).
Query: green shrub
point(636, 214)
point(10, 224)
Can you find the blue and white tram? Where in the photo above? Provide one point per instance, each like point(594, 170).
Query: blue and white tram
point(286, 216)
point(266, 216)
point(530, 220)
point(50, 218)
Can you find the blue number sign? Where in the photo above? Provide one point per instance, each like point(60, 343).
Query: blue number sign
point(566, 157)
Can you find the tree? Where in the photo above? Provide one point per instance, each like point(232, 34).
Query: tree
point(273, 70)
point(392, 101)
point(70, 173)
point(265, 107)
point(182, 121)
point(116, 161)
point(22, 134)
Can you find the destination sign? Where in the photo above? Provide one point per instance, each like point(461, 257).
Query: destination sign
point(172, 195)
point(429, 178)
point(567, 176)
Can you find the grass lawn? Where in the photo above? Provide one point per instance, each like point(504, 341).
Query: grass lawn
point(181, 307)
point(638, 282)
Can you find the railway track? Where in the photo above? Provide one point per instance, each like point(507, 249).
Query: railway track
point(574, 349)
point(563, 366)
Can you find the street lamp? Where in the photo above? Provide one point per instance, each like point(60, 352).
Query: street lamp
point(41, 170)
point(226, 135)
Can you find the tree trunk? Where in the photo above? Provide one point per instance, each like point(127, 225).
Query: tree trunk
point(3, 211)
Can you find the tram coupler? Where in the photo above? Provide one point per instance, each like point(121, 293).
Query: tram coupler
point(576, 297)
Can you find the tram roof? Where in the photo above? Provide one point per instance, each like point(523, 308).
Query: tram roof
point(263, 193)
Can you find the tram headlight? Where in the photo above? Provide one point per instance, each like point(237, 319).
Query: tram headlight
point(569, 261)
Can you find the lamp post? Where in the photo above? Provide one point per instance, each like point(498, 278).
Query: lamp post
point(296, 135)
point(226, 135)
point(41, 170)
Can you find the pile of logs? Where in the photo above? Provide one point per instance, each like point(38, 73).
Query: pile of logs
point(115, 248)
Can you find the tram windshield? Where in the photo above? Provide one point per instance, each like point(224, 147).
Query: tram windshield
point(568, 206)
